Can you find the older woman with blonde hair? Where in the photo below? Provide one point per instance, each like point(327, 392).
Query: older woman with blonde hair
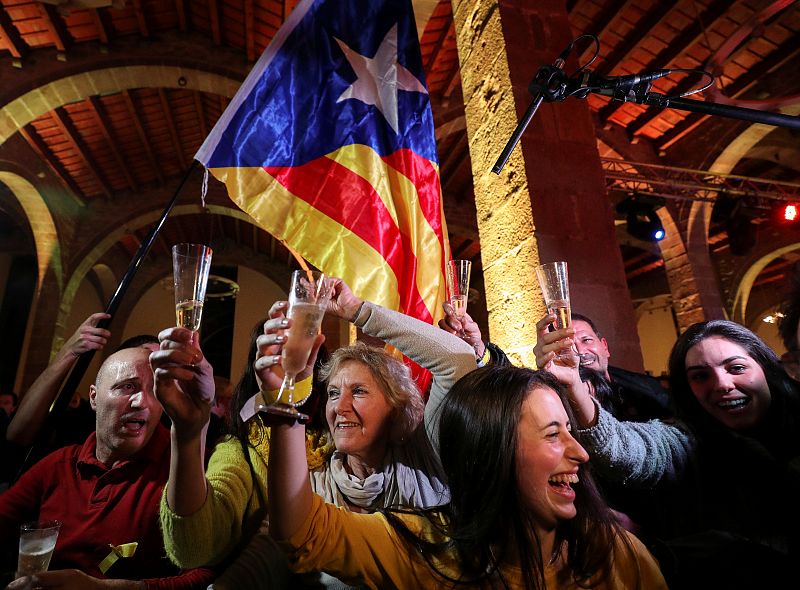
point(374, 413)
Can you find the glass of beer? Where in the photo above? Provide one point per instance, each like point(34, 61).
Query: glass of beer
point(191, 264)
point(309, 293)
point(36, 543)
point(458, 285)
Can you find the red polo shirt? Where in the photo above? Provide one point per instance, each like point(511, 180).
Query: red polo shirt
point(100, 506)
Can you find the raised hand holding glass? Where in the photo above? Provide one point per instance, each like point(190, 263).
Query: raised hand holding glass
point(554, 280)
point(309, 293)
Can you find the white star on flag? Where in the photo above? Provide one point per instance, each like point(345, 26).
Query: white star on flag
point(380, 78)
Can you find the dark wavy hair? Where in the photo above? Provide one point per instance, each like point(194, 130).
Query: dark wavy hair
point(781, 387)
point(486, 523)
point(582, 318)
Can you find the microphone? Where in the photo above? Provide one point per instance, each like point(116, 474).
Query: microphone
point(633, 87)
point(616, 82)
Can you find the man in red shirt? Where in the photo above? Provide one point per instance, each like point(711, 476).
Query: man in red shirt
point(106, 492)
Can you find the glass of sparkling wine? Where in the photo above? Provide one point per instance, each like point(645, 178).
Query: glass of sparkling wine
point(554, 281)
point(309, 293)
point(458, 285)
point(36, 543)
point(190, 266)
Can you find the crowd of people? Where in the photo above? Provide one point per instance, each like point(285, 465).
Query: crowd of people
point(576, 475)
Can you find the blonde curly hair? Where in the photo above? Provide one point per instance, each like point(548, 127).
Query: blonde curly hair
point(394, 379)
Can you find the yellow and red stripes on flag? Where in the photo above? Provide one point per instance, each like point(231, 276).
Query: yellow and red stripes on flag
point(377, 222)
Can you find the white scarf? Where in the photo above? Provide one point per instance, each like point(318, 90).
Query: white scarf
point(411, 477)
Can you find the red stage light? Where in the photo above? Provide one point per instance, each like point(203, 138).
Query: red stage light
point(790, 212)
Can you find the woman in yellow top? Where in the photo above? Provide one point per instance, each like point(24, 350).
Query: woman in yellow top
point(524, 512)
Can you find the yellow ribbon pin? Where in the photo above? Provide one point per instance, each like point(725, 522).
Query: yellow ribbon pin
point(124, 550)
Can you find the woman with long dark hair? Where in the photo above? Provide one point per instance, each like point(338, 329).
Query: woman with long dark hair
point(727, 474)
point(523, 513)
point(741, 526)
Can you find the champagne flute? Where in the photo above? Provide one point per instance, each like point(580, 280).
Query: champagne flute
point(308, 297)
point(458, 272)
point(554, 281)
point(37, 540)
point(191, 264)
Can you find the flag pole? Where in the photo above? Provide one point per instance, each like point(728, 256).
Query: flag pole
point(73, 380)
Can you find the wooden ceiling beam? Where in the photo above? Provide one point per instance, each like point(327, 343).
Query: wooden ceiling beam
point(785, 53)
point(73, 138)
point(249, 34)
point(645, 269)
point(137, 123)
point(434, 55)
point(173, 131)
point(213, 18)
point(95, 107)
point(678, 47)
point(453, 83)
point(141, 18)
point(100, 20)
point(602, 23)
point(201, 113)
point(183, 15)
point(38, 145)
point(55, 24)
point(10, 37)
point(644, 29)
point(458, 152)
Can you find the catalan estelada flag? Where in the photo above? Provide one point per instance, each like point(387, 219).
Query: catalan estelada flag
point(329, 145)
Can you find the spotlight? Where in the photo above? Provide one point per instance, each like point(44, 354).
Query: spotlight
point(641, 218)
point(786, 213)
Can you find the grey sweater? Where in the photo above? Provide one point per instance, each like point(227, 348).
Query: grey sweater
point(636, 453)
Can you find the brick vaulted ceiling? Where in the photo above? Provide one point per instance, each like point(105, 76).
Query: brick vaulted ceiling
point(110, 146)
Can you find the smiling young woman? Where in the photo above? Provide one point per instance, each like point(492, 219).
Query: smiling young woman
point(740, 524)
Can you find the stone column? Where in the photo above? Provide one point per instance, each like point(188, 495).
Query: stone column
point(552, 188)
point(509, 251)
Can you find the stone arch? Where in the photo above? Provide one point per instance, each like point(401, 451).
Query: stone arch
point(699, 219)
point(45, 236)
point(113, 236)
point(106, 280)
point(700, 212)
point(23, 109)
point(745, 285)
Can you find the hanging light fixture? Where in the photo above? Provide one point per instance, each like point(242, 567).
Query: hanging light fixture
point(641, 218)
